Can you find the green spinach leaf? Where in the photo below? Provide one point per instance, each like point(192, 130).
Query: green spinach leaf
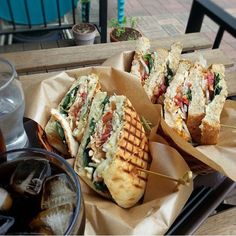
point(86, 157)
point(100, 185)
point(217, 86)
point(149, 59)
point(169, 76)
point(69, 100)
point(60, 130)
point(189, 94)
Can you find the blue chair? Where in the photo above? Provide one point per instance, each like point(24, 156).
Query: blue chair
point(35, 20)
point(26, 16)
point(34, 12)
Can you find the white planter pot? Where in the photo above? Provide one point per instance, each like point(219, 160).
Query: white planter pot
point(84, 37)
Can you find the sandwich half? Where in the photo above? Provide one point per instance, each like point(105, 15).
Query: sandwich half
point(215, 89)
point(65, 133)
point(165, 66)
point(74, 108)
point(143, 60)
point(113, 148)
point(177, 99)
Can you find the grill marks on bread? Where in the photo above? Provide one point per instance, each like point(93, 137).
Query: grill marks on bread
point(133, 148)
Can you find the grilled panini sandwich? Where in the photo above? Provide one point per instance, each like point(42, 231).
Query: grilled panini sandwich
point(113, 146)
point(74, 109)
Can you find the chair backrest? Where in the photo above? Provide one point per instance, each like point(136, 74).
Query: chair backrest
point(200, 8)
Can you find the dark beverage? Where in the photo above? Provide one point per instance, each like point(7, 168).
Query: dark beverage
point(41, 198)
point(2, 147)
point(2, 143)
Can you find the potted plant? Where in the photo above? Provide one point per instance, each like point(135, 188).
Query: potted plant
point(123, 32)
point(84, 33)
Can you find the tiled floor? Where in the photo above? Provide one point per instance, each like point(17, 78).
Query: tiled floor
point(160, 18)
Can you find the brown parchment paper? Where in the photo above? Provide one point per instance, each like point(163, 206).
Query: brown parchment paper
point(162, 202)
point(220, 157)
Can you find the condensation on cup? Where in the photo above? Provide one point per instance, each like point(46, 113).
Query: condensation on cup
point(12, 106)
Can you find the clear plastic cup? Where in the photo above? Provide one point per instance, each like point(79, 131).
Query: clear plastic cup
point(12, 106)
point(23, 200)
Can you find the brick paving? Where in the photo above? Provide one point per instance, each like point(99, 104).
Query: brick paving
point(160, 18)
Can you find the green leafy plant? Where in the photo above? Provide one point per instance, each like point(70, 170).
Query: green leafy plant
point(120, 27)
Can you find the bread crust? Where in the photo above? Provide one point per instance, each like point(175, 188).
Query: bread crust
point(53, 137)
point(70, 141)
point(193, 123)
point(209, 133)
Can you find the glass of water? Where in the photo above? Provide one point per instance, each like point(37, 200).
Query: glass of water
point(12, 106)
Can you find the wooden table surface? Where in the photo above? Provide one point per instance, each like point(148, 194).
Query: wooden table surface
point(223, 223)
point(31, 63)
point(62, 58)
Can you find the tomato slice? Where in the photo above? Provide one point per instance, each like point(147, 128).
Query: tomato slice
point(107, 117)
point(210, 80)
point(107, 121)
point(158, 91)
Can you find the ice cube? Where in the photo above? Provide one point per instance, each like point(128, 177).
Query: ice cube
point(55, 219)
point(29, 175)
point(57, 190)
point(5, 223)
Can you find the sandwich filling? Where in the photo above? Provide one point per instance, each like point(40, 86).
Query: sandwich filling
point(147, 62)
point(211, 85)
point(102, 143)
point(178, 97)
point(143, 60)
point(164, 69)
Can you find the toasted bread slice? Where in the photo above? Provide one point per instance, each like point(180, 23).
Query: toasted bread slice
point(174, 56)
point(65, 129)
point(53, 137)
point(196, 108)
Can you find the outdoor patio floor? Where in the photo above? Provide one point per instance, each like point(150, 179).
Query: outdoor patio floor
point(160, 18)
